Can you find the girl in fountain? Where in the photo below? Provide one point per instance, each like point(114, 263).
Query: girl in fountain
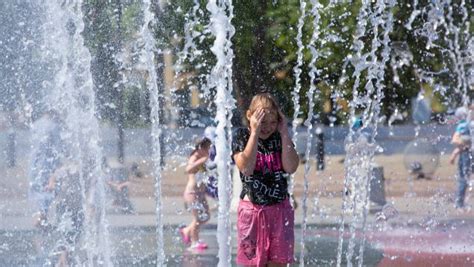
point(265, 156)
point(195, 194)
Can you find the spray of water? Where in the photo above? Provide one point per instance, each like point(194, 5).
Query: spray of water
point(153, 84)
point(188, 54)
point(190, 50)
point(414, 14)
point(297, 71)
point(375, 73)
point(359, 64)
point(73, 96)
point(360, 147)
point(454, 49)
point(309, 120)
point(446, 34)
point(386, 22)
point(221, 79)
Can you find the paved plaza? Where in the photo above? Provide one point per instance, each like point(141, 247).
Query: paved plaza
point(427, 228)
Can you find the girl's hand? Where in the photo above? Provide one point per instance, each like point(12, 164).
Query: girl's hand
point(282, 124)
point(256, 120)
point(197, 160)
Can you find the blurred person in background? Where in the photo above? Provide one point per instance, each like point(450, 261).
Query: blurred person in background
point(195, 194)
point(462, 141)
point(47, 148)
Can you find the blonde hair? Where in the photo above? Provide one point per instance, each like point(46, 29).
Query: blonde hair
point(265, 101)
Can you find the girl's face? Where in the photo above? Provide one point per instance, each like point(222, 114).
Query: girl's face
point(269, 125)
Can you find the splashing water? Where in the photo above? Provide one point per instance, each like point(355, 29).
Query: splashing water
point(297, 71)
point(309, 121)
point(359, 64)
point(221, 79)
point(148, 57)
point(360, 147)
point(439, 18)
point(386, 23)
point(73, 96)
point(188, 55)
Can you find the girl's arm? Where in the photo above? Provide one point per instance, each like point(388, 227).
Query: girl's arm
point(195, 161)
point(289, 157)
point(247, 159)
point(456, 139)
point(454, 155)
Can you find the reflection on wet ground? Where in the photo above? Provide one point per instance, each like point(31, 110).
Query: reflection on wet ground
point(446, 244)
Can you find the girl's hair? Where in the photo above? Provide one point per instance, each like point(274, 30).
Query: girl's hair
point(203, 143)
point(265, 101)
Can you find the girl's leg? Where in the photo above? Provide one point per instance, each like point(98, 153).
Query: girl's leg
point(464, 171)
point(194, 227)
point(200, 216)
point(200, 211)
point(190, 229)
point(189, 198)
point(461, 191)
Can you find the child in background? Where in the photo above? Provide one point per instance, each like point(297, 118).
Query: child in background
point(118, 180)
point(47, 148)
point(265, 156)
point(195, 194)
point(462, 141)
point(69, 213)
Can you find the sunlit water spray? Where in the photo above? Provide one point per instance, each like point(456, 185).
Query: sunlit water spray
point(358, 61)
point(148, 58)
point(454, 45)
point(73, 97)
point(296, 90)
point(221, 79)
point(190, 50)
point(442, 31)
point(313, 74)
point(360, 145)
point(187, 55)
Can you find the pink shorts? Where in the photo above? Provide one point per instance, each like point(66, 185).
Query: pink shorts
point(265, 233)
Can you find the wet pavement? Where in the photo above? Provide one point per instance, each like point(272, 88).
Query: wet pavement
point(405, 240)
point(426, 230)
point(139, 249)
point(448, 244)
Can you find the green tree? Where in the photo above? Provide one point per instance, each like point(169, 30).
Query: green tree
point(265, 50)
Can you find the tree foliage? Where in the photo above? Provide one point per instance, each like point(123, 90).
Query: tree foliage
point(429, 50)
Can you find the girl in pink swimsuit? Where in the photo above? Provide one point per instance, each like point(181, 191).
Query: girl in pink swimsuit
point(195, 194)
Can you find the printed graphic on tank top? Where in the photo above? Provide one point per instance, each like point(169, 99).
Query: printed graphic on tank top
point(268, 185)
